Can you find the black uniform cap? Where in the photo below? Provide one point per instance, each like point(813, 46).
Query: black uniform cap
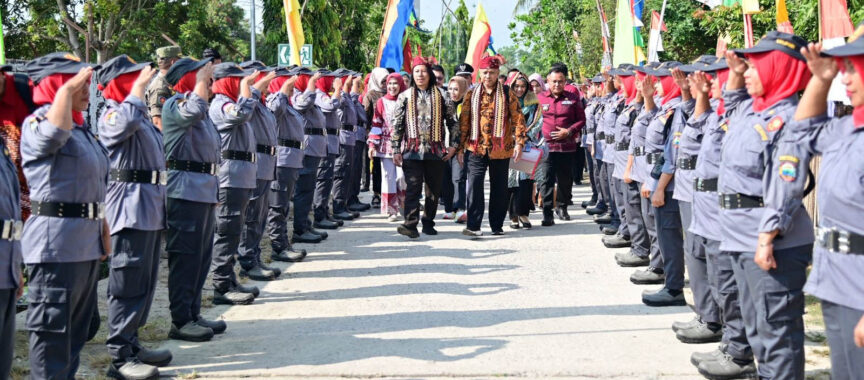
point(664, 69)
point(597, 79)
point(774, 40)
point(719, 64)
point(116, 67)
point(5, 68)
point(228, 69)
point(54, 63)
point(699, 64)
point(464, 69)
point(303, 71)
point(341, 73)
point(256, 65)
point(211, 53)
point(855, 46)
point(183, 66)
point(624, 69)
point(647, 67)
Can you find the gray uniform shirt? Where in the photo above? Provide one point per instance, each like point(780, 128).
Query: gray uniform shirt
point(10, 209)
point(682, 135)
point(637, 140)
point(232, 122)
point(289, 126)
point(622, 136)
point(329, 107)
point(746, 148)
point(133, 143)
point(304, 102)
point(347, 116)
point(190, 135)
point(606, 124)
point(706, 208)
point(362, 118)
point(655, 139)
point(62, 166)
point(263, 124)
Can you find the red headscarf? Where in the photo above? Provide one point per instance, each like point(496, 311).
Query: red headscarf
point(858, 63)
point(722, 77)
point(276, 85)
point(401, 82)
point(325, 84)
point(46, 90)
point(302, 82)
point(670, 89)
point(187, 82)
point(228, 86)
point(120, 87)
point(12, 108)
point(781, 76)
point(628, 83)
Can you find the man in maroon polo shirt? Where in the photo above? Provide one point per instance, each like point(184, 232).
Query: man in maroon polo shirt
point(563, 119)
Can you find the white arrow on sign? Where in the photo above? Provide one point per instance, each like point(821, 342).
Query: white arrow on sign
point(284, 54)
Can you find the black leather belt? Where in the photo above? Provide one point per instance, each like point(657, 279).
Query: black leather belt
point(705, 185)
point(638, 150)
point(153, 177)
point(840, 241)
point(686, 163)
point(734, 201)
point(69, 210)
point(348, 127)
point(653, 157)
point(266, 149)
point(589, 130)
point(601, 135)
point(610, 139)
point(238, 155)
point(314, 131)
point(11, 229)
point(332, 131)
point(290, 143)
point(192, 166)
point(622, 146)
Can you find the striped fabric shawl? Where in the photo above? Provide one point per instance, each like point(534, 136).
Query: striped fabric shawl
point(499, 112)
point(412, 128)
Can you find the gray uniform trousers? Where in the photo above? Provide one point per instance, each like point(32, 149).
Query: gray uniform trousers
point(323, 187)
point(602, 184)
point(230, 217)
point(304, 190)
point(639, 240)
point(131, 285)
point(772, 305)
point(592, 177)
point(700, 269)
point(62, 299)
point(7, 330)
point(671, 241)
point(342, 168)
point(281, 192)
point(189, 243)
point(650, 229)
point(847, 359)
point(725, 289)
point(619, 193)
point(610, 190)
point(357, 167)
point(249, 253)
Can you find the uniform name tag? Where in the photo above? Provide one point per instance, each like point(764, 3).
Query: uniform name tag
point(567, 102)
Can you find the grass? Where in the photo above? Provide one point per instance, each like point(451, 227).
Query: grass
point(155, 330)
point(190, 375)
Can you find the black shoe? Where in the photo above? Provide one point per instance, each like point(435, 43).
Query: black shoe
point(190, 332)
point(218, 326)
point(258, 273)
point(355, 214)
point(664, 297)
point(275, 270)
point(376, 201)
point(290, 255)
point(497, 232)
point(307, 237)
point(339, 223)
point(628, 260)
point(343, 216)
point(232, 297)
point(702, 333)
point(608, 230)
point(596, 210)
point(616, 241)
point(547, 222)
point(326, 225)
point(359, 207)
point(322, 234)
point(133, 370)
point(158, 358)
point(603, 219)
point(409, 232)
point(248, 289)
point(514, 224)
point(562, 213)
point(429, 231)
point(649, 276)
point(525, 222)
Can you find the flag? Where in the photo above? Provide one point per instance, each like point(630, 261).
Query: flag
point(390, 54)
point(624, 50)
point(414, 21)
point(406, 54)
point(750, 7)
point(835, 19)
point(711, 3)
point(655, 40)
point(638, 5)
point(481, 39)
point(783, 24)
point(604, 26)
point(295, 29)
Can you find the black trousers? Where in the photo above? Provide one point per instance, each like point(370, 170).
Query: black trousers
point(578, 168)
point(281, 192)
point(249, 252)
point(559, 168)
point(342, 178)
point(418, 172)
point(189, 243)
point(7, 330)
point(498, 194)
point(62, 300)
point(376, 175)
point(520, 198)
point(324, 186)
point(230, 216)
point(359, 166)
point(304, 193)
point(447, 190)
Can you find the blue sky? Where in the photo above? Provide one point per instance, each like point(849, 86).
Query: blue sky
point(500, 13)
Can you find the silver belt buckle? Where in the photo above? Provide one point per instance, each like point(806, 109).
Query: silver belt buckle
point(17, 229)
point(842, 240)
point(254, 158)
point(91, 210)
point(212, 169)
point(163, 177)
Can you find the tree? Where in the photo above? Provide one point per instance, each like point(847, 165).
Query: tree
point(452, 36)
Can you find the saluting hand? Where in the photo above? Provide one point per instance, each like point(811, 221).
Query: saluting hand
point(337, 84)
point(288, 86)
point(736, 64)
point(261, 84)
point(205, 74)
point(823, 68)
point(647, 88)
point(358, 85)
point(80, 82)
point(701, 82)
point(140, 84)
point(680, 79)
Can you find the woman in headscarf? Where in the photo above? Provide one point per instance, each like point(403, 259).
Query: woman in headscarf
point(521, 184)
point(392, 198)
point(375, 89)
point(538, 83)
point(457, 88)
point(66, 236)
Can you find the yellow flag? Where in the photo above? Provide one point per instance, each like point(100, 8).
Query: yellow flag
point(295, 29)
point(783, 23)
point(750, 7)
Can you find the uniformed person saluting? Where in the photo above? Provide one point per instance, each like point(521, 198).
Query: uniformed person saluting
point(315, 150)
point(328, 103)
point(135, 212)
point(344, 163)
point(231, 110)
point(192, 158)
point(159, 90)
point(65, 238)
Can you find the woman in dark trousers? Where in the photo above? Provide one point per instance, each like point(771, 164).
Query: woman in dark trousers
point(521, 185)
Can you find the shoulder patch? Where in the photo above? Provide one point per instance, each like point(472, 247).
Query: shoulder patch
point(761, 131)
point(670, 112)
point(724, 126)
point(162, 100)
point(230, 109)
point(788, 168)
point(775, 124)
point(111, 118)
point(676, 139)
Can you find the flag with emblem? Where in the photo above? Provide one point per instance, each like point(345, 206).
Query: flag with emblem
point(788, 168)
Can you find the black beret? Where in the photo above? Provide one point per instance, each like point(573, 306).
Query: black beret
point(664, 69)
point(117, 66)
point(5, 68)
point(719, 64)
point(341, 73)
point(303, 71)
point(228, 69)
point(774, 40)
point(54, 63)
point(256, 65)
point(183, 66)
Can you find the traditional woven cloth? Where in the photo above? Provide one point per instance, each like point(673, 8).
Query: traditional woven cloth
point(500, 110)
point(436, 126)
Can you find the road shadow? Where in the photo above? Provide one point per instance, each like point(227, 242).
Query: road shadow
point(405, 251)
point(454, 269)
point(450, 288)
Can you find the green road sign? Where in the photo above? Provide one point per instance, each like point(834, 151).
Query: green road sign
point(284, 54)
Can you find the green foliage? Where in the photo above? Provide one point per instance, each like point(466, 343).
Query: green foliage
point(686, 38)
point(453, 35)
point(802, 13)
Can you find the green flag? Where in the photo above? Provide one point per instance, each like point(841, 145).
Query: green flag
point(624, 49)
